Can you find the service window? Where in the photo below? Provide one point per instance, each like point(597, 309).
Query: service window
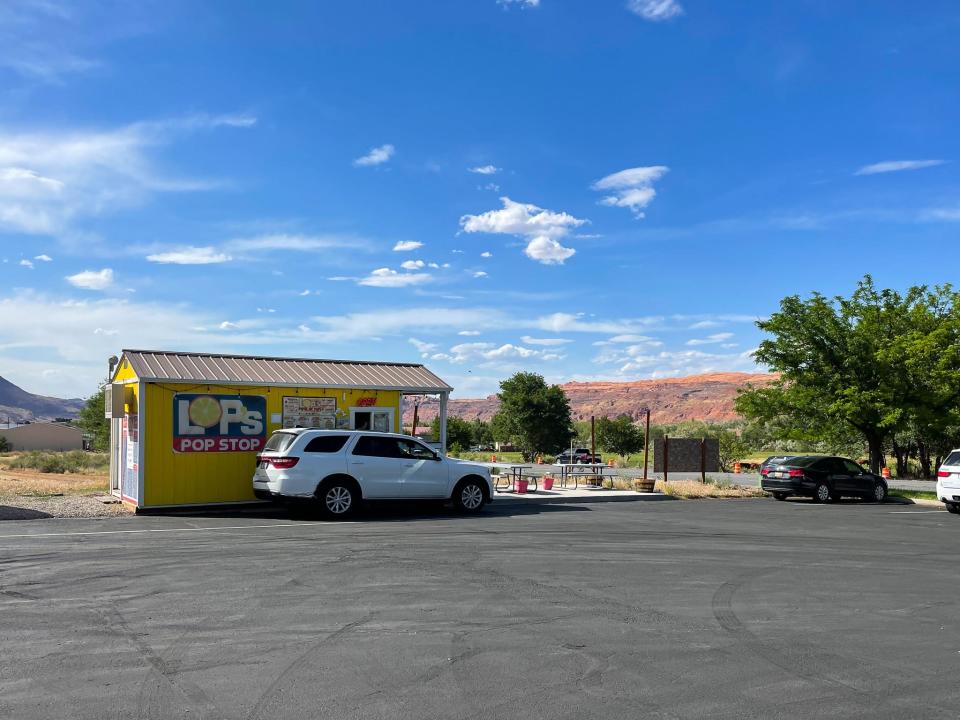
point(326, 444)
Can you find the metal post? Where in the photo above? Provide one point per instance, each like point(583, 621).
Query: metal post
point(443, 422)
point(703, 460)
point(593, 448)
point(666, 455)
point(646, 445)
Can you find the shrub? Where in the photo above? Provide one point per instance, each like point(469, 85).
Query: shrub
point(74, 461)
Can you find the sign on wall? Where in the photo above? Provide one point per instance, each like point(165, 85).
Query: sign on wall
point(310, 412)
point(219, 423)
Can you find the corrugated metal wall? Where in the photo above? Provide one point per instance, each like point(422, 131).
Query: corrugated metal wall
point(172, 478)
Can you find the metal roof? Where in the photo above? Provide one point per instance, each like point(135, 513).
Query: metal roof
point(162, 366)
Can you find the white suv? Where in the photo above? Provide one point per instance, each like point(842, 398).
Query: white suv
point(340, 468)
point(948, 482)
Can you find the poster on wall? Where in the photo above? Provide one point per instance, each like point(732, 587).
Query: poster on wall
point(130, 452)
point(310, 412)
point(219, 423)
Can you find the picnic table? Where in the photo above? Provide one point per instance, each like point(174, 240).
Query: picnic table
point(516, 473)
point(573, 473)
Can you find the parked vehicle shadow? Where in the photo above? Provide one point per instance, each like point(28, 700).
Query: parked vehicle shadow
point(12, 512)
point(373, 511)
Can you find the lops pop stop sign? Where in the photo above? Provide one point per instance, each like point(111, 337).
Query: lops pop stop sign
point(219, 423)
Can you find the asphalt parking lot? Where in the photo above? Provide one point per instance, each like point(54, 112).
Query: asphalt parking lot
point(700, 609)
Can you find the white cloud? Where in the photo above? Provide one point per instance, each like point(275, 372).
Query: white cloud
point(567, 322)
point(632, 188)
point(92, 279)
point(633, 339)
point(941, 214)
point(26, 263)
point(688, 362)
point(480, 274)
point(704, 324)
point(43, 258)
point(376, 156)
point(492, 187)
point(888, 166)
point(283, 241)
point(484, 170)
point(655, 10)
point(407, 245)
point(227, 325)
point(486, 254)
point(546, 342)
point(50, 178)
point(413, 264)
point(190, 256)
point(711, 339)
point(387, 278)
point(304, 293)
point(469, 333)
point(542, 228)
point(485, 352)
point(424, 348)
point(521, 3)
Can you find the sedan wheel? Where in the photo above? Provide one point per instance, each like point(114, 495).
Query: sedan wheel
point(822, 493)
point(469, 498)
point(779, 496)
point(879, 492)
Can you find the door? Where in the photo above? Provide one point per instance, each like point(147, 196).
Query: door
point(377, 464)
point(425, 473)
point(840, 477)
point(860, 481)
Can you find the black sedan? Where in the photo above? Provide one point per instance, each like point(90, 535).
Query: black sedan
point(823, 479)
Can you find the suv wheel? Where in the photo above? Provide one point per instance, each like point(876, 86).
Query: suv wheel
point(821, 493)
point(469, 496)
point(953, 508)
point(338, 498)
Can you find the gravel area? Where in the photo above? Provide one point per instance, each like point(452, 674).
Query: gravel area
point(21, 507)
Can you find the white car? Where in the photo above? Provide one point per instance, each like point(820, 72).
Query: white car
point(340, 468)
point(948, 482)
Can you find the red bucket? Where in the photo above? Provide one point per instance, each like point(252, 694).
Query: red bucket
point(522, 486)
point(548, 483)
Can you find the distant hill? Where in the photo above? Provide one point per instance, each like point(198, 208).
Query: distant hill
point(694, 397)
point(18, 405)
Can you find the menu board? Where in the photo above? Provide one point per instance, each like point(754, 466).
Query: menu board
point(310, 412)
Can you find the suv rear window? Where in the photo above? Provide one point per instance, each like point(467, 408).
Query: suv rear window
point(326, 444)
point(953, 458)
point(279, 441)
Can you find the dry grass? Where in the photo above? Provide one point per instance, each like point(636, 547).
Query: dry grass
point(690, 489)
point(28, 482)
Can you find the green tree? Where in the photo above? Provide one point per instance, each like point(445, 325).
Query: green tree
point(480, 433)
point(869, 365)
point(5, 445)
point(92, 421)
point(459, 432)
point(620, 436)
point(534, 416)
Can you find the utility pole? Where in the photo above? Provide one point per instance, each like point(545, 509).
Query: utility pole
point(646, 444)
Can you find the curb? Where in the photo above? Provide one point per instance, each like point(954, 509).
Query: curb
point(504, 500)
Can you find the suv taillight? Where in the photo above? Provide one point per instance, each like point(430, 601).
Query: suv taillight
point(281, 463)
point(944, 473)
point(796, 473)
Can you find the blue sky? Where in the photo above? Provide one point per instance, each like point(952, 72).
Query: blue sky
point(589, 190)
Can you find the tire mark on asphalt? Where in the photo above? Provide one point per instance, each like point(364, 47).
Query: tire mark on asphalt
point(191, 692)
point(271, 690)
point(789, 661)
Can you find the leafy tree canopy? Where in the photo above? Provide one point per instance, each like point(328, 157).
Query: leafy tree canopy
point(534, 416)
point(620, 436)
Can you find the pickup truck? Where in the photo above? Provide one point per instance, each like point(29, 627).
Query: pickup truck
point(580, 456)
point(338, 469)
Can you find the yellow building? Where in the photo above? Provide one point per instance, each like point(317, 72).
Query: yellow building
point(186, 427)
